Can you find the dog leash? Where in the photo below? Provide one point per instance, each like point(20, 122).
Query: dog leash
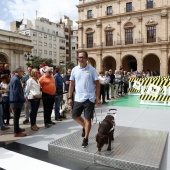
point(95, 122)
point(101, 111)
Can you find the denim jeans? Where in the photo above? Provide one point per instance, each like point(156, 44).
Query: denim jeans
point(57, 106)
point(33, 110)
point(1, 113)
point(6, 107)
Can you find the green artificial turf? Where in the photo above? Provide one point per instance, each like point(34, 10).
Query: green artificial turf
point(133, 101)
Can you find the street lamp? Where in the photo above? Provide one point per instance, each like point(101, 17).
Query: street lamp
point(28, 57)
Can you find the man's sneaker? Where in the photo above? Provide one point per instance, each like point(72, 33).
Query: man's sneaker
point(85, 143)
point(26, 121)
point(83, 133)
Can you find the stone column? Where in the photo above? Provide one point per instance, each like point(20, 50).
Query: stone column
point(98, 39)
point(139, 61)
point(22, 59)
point(118, 60)
point(16, 61)
point(164, 62)
point(80, 35)
point(99, 62)
point(119, 32)
point(164, 25)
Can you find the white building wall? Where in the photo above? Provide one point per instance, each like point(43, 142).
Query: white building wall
point(45, 36)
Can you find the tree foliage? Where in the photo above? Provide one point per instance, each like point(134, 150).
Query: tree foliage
point(36, 61)
point(70, 65)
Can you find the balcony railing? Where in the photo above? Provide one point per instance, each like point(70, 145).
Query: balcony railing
point(89, 16)
point(125, 42)
point(150, 5)
point(108, 13)
point(129, 9)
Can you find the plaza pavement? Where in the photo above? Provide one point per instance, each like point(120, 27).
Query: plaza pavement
point(35, 145)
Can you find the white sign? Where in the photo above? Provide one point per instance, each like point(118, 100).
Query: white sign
point(137, 85)
point(153, 90)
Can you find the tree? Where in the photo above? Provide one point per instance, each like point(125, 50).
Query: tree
point(70, 65)
point(36, 61)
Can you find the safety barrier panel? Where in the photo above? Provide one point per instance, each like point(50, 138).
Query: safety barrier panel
point(153, 90)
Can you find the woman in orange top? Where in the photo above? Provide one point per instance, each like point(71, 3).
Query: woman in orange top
point(48, 88)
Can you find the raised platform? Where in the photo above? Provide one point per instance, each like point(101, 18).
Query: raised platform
point(132, 149)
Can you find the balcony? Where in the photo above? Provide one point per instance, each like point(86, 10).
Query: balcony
point(149, 5)
point(89, 16)
point(107, 13)
point(131, 9)
point(137, 41)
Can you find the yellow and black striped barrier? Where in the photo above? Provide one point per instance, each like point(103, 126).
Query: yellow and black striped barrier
point(144, 83)
point(133, 90)
point(162, 98)
point(135, 79)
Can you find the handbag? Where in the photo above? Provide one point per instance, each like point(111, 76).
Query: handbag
point(37, 96)
point(30, 96)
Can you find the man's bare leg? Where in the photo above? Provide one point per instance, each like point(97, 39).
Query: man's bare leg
point(87, 128)
point(80, 121)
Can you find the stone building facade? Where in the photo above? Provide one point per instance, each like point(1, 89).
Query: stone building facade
point(13, 47)
point(134, 34)
point(48, 38)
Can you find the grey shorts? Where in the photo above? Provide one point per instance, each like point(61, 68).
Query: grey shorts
point(87, 107)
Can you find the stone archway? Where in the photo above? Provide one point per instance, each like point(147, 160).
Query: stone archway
point(92, 62)
point(3, 60)
point(129, 63)
point(151, 62)
point(109, 63)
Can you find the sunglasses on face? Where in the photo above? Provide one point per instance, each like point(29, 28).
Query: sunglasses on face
point(79, 58)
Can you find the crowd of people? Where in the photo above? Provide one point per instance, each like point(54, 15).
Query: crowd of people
point(19, 91)
point(83, 85)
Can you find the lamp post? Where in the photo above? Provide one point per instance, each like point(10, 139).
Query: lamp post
point(28, 57)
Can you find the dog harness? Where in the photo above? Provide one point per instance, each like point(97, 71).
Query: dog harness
point(112, 122)
point(112, 127)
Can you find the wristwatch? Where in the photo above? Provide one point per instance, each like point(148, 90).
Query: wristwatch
point(69, 97)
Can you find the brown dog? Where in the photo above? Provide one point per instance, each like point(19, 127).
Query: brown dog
point(105, 132)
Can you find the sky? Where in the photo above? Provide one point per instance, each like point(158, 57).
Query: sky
point(16, 10)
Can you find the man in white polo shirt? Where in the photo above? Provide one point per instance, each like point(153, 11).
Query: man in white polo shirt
point(87, 90)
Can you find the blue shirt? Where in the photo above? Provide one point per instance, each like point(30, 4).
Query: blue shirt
point(58, 82)
point(85, 87)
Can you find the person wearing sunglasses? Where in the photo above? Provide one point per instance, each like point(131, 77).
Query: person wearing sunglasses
point(87, 90)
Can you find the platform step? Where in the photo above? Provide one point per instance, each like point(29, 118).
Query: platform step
point(132, 149)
